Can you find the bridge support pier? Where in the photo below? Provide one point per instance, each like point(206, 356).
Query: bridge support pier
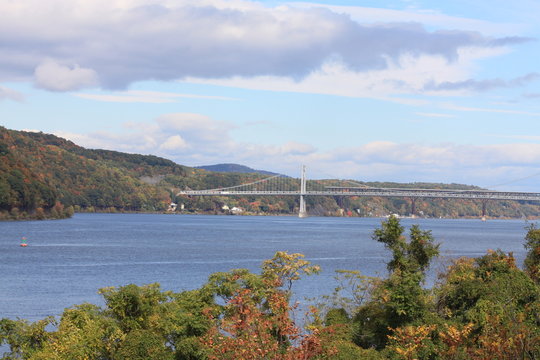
point(413, 207)
point(484, 210)
point(302, 213)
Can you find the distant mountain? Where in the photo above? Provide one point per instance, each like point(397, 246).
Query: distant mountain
point(234, 168)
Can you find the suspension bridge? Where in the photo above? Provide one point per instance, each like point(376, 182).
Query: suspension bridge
point(280, 185)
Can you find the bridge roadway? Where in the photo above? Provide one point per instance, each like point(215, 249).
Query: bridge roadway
point(378, 192)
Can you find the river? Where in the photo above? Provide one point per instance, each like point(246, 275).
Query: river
point(67, 261)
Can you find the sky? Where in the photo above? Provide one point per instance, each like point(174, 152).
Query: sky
point(386, 90)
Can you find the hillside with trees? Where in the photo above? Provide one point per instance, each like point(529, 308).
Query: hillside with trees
point(41, 172)
point(45, 176)
point(235, 168)
point(480, 308)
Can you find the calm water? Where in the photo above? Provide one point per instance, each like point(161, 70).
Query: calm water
point(67, 261)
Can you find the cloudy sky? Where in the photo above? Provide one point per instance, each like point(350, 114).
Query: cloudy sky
point(390, 90)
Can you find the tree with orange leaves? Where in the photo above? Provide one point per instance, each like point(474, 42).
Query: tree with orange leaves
point(256, 321)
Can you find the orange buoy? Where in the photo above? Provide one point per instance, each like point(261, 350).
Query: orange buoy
point(24, 245)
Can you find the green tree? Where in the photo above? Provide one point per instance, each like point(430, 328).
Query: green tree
point(407, 256)
point(532, 260)
point(472, 290)
point(400, 299)
point(23, 338)
point(132, 306)
point(143, 345)
point(496, 306)
point(84, 332)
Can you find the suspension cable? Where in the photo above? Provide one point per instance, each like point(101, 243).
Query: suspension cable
point(248, 184)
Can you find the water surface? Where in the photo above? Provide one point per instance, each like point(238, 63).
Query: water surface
point(67, 261)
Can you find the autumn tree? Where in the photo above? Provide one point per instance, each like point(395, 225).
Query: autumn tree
point(256, 321)
point(497, 299)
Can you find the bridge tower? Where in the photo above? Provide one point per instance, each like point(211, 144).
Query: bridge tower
point(303, 213)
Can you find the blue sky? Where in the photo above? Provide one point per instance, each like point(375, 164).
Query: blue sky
point(405, 91)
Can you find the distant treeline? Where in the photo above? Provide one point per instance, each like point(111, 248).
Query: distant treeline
point(45, 176)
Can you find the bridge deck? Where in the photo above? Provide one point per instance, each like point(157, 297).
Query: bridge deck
point(370, 192)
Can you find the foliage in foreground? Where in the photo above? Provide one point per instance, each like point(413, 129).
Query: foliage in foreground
point(482, 308)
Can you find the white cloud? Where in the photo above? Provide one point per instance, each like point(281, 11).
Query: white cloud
point(197, 126)
point(10, 94)
point(170, 135)
point(52, 76)
point(194, 139)
point(138, 96)
point(488, 110)
point(134, 142)
point(124, 41)
point(518, 137)
point(173, 143)
point(125, 98)
point(294, 148)
point(481, 85)
point(427, 17)
point(435, 115)
point(404, 75)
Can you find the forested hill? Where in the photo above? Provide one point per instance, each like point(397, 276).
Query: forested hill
point(235, 168)
point(45, 176)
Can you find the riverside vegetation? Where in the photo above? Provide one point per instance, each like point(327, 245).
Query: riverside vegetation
point(481, 308)
point(44, 176)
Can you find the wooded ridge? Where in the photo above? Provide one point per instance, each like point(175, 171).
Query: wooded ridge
point(45, 176)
